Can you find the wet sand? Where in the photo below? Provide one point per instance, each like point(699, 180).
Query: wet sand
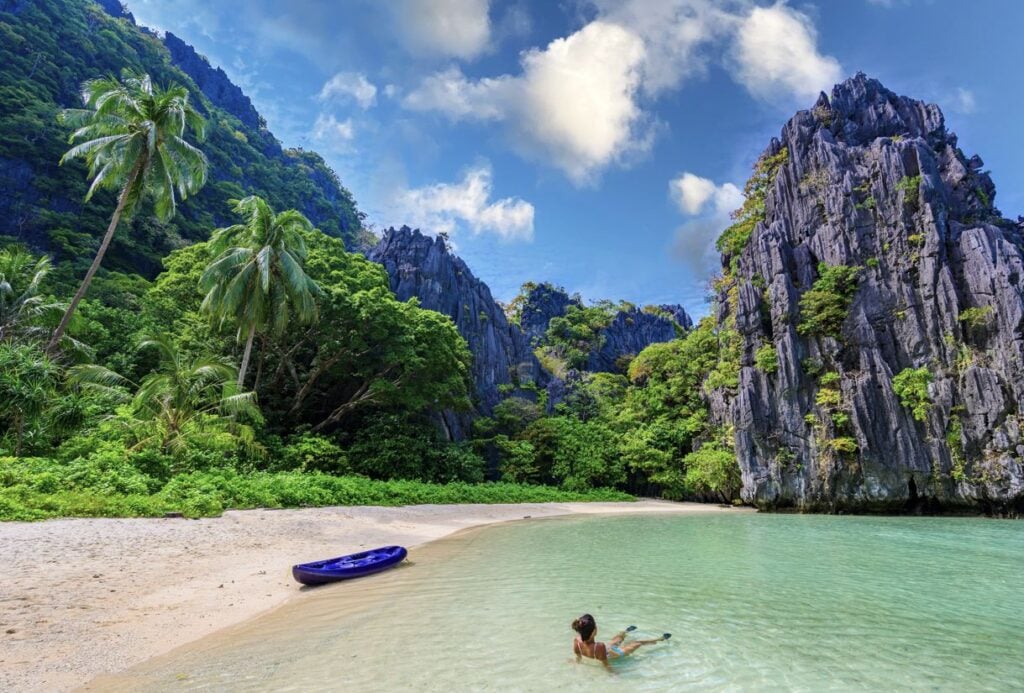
point(85, 597)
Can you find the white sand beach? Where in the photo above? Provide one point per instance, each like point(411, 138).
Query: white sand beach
point(85, 597)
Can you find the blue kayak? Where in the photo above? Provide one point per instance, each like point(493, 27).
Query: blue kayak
point(351, 566)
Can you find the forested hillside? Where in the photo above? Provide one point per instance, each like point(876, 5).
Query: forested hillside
point(47, 50)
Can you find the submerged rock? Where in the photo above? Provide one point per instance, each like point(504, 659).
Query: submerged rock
point(875, 180)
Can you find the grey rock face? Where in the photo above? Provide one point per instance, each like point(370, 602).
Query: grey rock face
point(678, 314)
point(875, 180)
point(424, 267)
point(629, 333)
point(543, 302)
point(213, 82)
point(116, 9)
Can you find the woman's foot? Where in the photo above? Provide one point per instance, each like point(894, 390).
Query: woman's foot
point(666, 636)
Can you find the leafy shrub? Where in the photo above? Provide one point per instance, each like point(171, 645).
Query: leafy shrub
point(828, 398)
point(308, 452)
point(975, 318)
point(830, 379)
point(712, 469)
point(767, 359)
point(735, 238)
point(518, 461)
point(843, 445)
point(911, 386)
point(910, 187)
point(824, 306)
point(389, 446)
point(198, 494)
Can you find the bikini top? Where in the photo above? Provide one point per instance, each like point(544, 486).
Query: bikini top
point(593, 650)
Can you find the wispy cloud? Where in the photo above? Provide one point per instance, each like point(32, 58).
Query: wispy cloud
point(352, 85)
point(964, 101)
point(449, 28)
point(336, 134)
point(467, 204)
point(708, 206)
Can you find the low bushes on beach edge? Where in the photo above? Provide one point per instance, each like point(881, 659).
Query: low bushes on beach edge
point(39, 488)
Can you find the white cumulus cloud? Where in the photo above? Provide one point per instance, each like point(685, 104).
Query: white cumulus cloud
point(708, 205)
point(582, 102)
point(776, 50)
point(450, 28)
point(692, 193)
point(446, 207)
point(676, 34)
point(574, 103)
point(353, 85)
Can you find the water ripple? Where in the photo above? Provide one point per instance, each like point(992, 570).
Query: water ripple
point(755, 602)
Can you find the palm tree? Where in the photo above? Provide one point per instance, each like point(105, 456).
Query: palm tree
point(23, 311)
point(28, 387)
point(181, 398)
point(256, 279)
point(132, 137)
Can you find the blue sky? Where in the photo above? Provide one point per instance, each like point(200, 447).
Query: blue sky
point(598, 144)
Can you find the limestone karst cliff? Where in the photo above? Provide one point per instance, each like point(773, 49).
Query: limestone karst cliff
point(897, 379)
point(424, 267)
point(628, 330)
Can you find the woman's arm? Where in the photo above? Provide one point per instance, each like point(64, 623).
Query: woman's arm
point(576, 651)
point(601, 652)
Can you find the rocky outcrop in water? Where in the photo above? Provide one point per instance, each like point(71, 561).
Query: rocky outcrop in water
point(875, 181)
point(424, 267)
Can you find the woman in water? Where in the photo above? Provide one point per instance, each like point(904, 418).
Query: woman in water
point(586, 646)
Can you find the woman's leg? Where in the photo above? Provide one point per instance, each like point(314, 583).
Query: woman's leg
point(619, 637)
point(631, 647)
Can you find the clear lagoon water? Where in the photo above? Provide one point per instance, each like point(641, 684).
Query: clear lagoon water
point(754, 602)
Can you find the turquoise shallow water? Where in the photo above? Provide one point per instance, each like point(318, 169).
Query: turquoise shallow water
point(754, 602)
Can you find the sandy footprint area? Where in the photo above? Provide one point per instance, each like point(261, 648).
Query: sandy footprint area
point(84, 597)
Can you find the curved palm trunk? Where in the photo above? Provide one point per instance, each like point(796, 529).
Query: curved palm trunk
point(245, 357)
point(20, 427)
point(58, 334)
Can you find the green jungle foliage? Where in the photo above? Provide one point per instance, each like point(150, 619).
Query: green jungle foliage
point(105, 485)
point(262, 364)
point(910, 186)
point(570, 338)
point(824, 306)
point(767, 359)
point(637, 430)
point(975, 318)
point(735, 238)
point(911, 386)
point(48, 48)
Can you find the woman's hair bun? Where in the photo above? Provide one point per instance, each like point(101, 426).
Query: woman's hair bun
point(575, 624)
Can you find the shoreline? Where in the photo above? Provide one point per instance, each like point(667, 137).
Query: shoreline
point(88, 597)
